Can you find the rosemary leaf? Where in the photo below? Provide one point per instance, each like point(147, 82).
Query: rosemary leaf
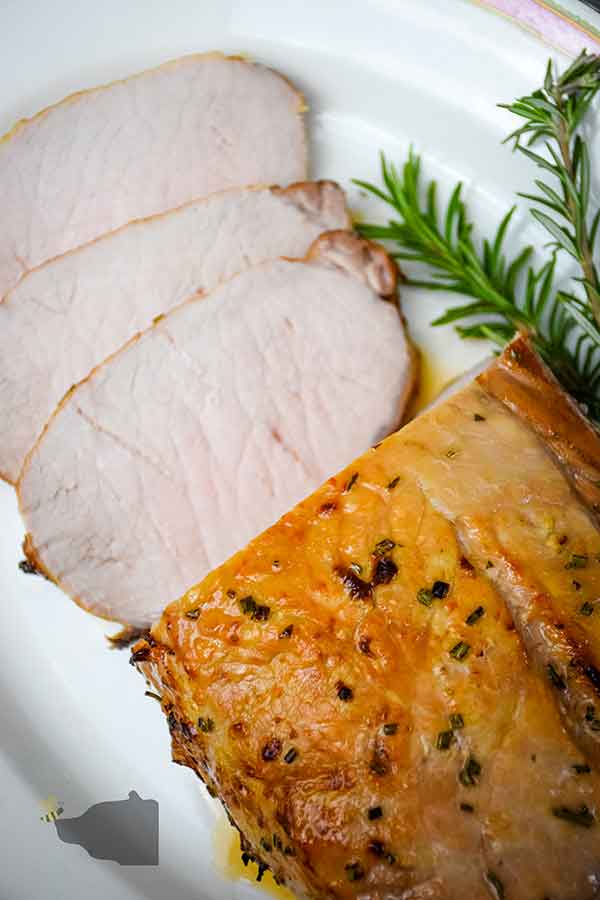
point(506, 293)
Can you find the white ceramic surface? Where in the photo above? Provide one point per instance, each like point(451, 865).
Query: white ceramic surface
point(74, 721)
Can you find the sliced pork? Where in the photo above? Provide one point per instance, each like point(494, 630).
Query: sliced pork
point(140, 146)
point(203, 431)
point(68, 315)
point(353, 688)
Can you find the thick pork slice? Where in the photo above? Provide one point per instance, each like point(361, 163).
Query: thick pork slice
point(200, 433)
point(353, 688)
point(140, 146)
point(68, 315)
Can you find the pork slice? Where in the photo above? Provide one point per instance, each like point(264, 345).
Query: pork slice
point(140, 146)
point(68, 315)
point(353, 688)
point(205, 429)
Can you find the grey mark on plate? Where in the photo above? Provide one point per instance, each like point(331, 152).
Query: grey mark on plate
point(125, 831)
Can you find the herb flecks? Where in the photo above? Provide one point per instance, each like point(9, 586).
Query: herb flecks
point(354, 871)
point(383, 547)
point(262, 868)
point(470, 772)
point(392, 484)
point(496, 884)
point(350, 483)
point(385, 571)
point(377, 848)
point(153, 695)
point(344, 692)
point(425, 597)
point(193, 613)
point(587, 608)
point(456, 721)
point(460, 650)
point(577, 561)
point(581, 816)
point(357, 587)
point(444, 740)
point(140, 655)
point(256, 611)
point(438, 591)
point(271, 750)
point(364, 645)
point(374, 812)
point(206, 724)
point(380, 763)
point(466, 566)
point(556, 678)
point(592, 721)
point(475, 616)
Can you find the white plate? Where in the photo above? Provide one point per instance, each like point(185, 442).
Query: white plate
point(74, 721)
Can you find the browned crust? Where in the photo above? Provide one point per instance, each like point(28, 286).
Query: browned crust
point(315, 253)
point(521, 381)
point(157, 664)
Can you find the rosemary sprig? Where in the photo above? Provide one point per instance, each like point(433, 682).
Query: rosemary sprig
point(553, 115)
point(508, 294)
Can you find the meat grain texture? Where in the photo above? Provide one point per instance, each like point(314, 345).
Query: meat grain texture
point(65, 317)
point(353, 685)
point(141, 146)
point(204, 430)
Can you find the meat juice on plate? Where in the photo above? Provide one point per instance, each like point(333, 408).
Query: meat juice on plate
point(229, 862)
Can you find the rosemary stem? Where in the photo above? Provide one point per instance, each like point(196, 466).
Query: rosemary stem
point(586, 258)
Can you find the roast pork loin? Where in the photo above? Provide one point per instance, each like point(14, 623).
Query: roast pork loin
point(201, 432)
point(68, 315)
point(140, 146)
point(352, 684)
